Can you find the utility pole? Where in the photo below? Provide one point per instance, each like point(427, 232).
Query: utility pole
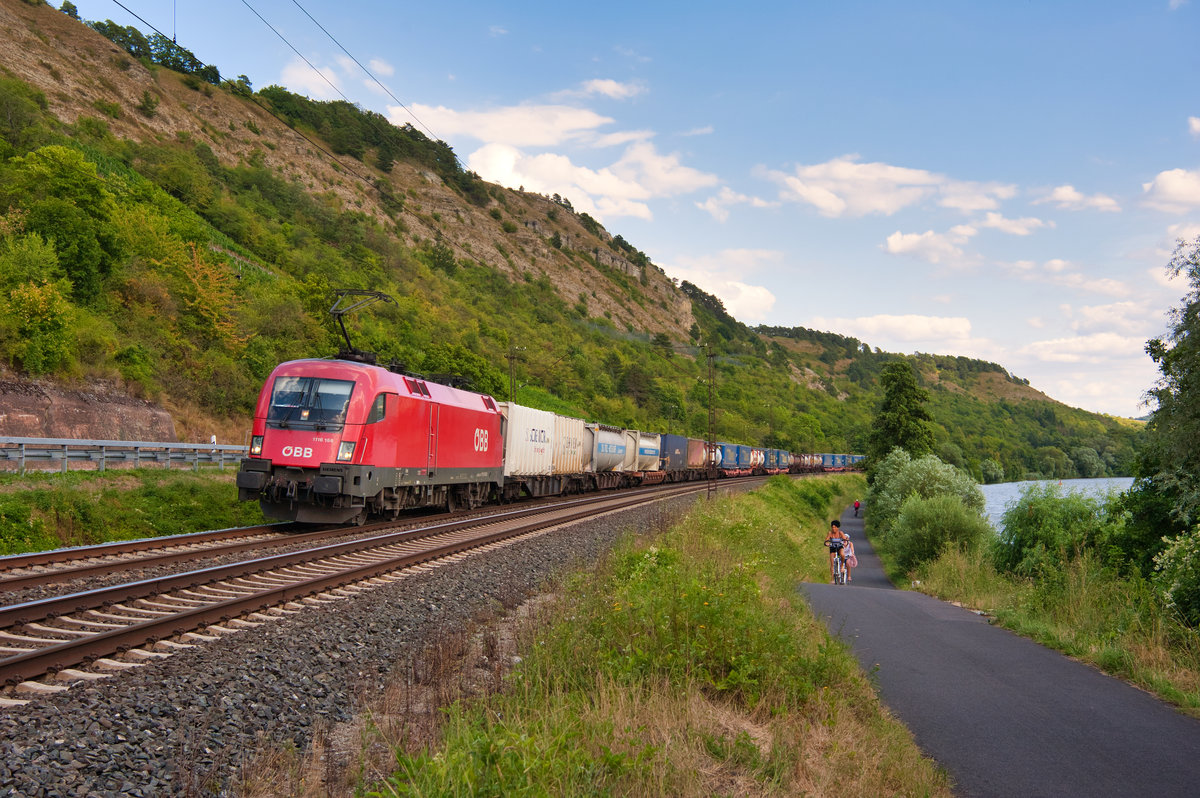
point(512, 376)
point(712, 422)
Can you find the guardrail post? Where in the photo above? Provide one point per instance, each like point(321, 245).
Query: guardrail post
point(64, 458)
point(195, 459)
point(103, 456)
point(21, 467)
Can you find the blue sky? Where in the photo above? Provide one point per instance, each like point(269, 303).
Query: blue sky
point(1000, 180)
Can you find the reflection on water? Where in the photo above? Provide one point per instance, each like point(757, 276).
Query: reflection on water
point(998, 497)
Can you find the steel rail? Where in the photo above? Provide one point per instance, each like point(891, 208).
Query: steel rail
point(75, 553)
point(66, 574)
point(72, 652)
point(33, 611)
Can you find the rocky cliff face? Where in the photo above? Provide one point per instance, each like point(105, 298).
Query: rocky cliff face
point(44, 410)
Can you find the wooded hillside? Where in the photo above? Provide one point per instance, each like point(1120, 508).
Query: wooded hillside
point(179, 233)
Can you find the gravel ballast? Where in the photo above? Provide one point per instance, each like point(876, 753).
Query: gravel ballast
point(180, 726)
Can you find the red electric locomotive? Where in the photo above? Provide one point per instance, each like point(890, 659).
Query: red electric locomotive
point(336, 440)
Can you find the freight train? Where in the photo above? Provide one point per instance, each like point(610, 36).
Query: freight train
point(336, 441)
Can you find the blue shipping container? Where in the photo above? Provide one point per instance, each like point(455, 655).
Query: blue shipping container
point(674, 452)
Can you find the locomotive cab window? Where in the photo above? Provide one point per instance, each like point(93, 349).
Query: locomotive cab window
point(309, 402)
point(379, 408)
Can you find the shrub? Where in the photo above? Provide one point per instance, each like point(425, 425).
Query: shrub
point(928, 526)
point(1044, 528)
point(1178, 576)
point(898, 476)
point(148, 107)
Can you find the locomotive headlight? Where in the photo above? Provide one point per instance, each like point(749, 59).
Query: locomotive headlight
point(345, 452)
point(256, 444)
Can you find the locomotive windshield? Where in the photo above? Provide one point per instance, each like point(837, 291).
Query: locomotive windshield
point(309, 402)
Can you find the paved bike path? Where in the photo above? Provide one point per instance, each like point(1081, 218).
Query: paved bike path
point(1005, 716)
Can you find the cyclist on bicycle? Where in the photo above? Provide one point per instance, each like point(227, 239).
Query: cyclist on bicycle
point(835, 540)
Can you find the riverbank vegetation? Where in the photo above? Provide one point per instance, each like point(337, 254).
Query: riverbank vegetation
point(685, 664)
point(1066, 570)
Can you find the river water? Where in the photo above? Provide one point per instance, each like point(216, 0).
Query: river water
point(999, 496)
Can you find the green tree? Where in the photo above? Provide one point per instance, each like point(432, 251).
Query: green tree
point(43, 318)
point(1172, 458)
point(902, 420)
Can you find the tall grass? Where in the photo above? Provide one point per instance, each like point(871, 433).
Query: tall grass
point(47, 511)
point(687, 664)
point(1093, 613)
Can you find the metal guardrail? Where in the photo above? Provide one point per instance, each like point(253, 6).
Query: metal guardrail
point(63, 451)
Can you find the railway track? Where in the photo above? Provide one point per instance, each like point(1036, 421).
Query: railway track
point(149, 619)
point(38, 569)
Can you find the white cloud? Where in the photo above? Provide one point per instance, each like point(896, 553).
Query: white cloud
point(1160, 276)
point(1119, 392)
point(617, 139)
point(1173, 191)
point(1194, 125)
point(723, 275)
point(1070, 198)
point(613, 89)
point(661, 175)
point(1096, 349)
point(517, 125)
point(1097, 285)
point(930, 246)
point(1016, 227)
point(707, 130)
point(1187, 232)
point(1128, 318)
point(300, 78)
point(621, 189)
point(381, 67)
point(497, 30)
point(718, 205)
point(846, 187)
point(1066, 274)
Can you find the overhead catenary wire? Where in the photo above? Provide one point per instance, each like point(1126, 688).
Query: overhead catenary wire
point(350, 170)
point(367, 71)
point(270, 111)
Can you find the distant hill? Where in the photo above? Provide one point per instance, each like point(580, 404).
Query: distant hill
point(179, 233)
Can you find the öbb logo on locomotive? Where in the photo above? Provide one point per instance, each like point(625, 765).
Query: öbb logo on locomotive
point(384, 443)
point(305, 452)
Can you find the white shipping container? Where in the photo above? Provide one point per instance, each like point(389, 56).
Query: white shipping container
point(605, 447)
point(528, 440)
point(568, 445)
point(631, 439)
point(649, 450)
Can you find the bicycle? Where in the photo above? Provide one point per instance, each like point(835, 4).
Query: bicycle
point(839, 569)
point(839, 560)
